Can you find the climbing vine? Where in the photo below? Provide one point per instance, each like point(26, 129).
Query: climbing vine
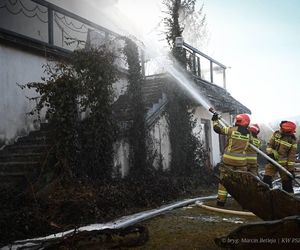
point(184, 143)
point(137, 131)
point(174, 28)
point(83, 85)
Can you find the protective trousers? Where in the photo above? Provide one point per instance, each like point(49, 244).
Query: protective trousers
point(252, 168)
point(222, 192)
point(270, 172)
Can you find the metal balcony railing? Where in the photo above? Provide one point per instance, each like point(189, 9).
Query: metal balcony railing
point(52, 26)
point(202, 65)
point(45, 22)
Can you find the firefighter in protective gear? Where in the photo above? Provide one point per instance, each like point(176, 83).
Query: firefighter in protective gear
point(282, 148)
point(234, 156)
point(251, 153)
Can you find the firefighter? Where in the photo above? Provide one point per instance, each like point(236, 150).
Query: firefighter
point(234, 156)
point(252, 166)
point(282, 148)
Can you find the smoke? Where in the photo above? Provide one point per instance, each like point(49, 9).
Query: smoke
point(136, 17)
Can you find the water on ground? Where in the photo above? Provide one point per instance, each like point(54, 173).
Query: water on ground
point(192, 227)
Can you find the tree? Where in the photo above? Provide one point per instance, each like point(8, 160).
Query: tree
point(179, 113)
point(137, 131)
point(195, 27)
point(182, 19)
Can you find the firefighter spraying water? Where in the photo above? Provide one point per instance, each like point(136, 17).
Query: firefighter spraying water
point(234, 156)
point(271, 158)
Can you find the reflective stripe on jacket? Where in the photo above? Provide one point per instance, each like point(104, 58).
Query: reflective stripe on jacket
point(284, 148)
point(236, 145)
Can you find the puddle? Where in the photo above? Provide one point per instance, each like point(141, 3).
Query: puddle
point(235, 220)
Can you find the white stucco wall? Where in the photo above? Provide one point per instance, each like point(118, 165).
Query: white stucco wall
point(215, 154)
point(120, 87)
point(159, 137)
point(202, 113)
point(121, 157)
point(17, 67)
point(161, 143)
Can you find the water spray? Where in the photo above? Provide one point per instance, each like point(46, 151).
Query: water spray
point(187, 84)
point(275, 163)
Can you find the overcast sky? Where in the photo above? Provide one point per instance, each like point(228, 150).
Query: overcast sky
point(260, 41)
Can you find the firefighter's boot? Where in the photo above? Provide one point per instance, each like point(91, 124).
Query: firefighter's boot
point(268, 180)
point(287, 185)
point(222, 196)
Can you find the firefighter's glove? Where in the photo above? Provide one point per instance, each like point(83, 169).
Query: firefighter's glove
point(215, 117)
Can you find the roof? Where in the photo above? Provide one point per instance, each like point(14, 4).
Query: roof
point(220, 98)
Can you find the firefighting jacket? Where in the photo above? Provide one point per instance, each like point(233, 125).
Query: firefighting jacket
point(284, 149)
point(251, 154)
point(236, 144)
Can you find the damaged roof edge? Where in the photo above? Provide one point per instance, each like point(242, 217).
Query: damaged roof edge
point(220, 97)
point(217, 96)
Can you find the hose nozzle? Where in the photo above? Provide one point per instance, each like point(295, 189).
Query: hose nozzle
point(212, 110)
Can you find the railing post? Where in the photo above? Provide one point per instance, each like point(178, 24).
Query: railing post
point(211, 72)
point(224, 78)
point(143, 63)
point(106, 39)
point(194, 63)
point(50, 26)
point(199, 66)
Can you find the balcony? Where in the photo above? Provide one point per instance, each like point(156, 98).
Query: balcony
point(50, 29)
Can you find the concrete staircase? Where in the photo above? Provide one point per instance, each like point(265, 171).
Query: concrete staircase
point(154, 97)
point(152, 91)
point(21, 162)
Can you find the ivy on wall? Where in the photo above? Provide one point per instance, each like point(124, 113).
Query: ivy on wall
point(184, 143)
point(137, 131)
point(81, 85)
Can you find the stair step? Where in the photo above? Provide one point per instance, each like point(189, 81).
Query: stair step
point(21, 157)
point(13, 174)
point(24, 149)
point(153, 81)
point(32, 140)
point(17, 182)
point(45, 126)
point(152, 91)
point(152, 100)
point(10, 167)
point(39, 133)
point(154, 94)
point(152, 84)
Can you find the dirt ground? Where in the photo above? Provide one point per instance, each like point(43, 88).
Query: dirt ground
point(188, 228)
point(192, 228)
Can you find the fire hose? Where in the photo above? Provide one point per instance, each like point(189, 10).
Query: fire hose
point(275, 163)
